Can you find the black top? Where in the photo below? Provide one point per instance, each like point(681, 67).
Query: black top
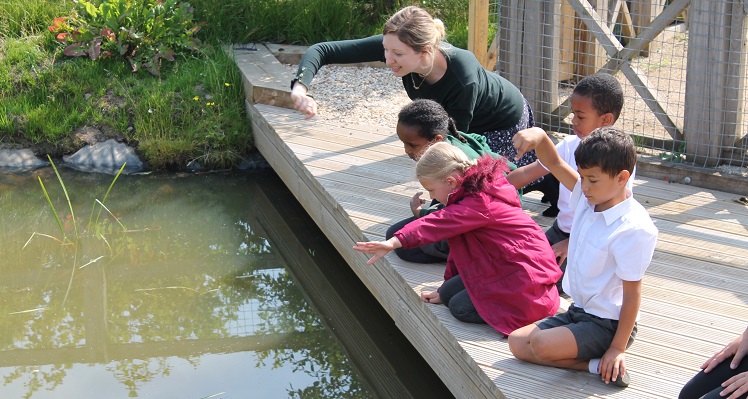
point(478, 100)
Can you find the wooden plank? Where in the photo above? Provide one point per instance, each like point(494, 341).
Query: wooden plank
point(478, 29)
point(566, 51)
point(591, 55)
point(263, 77)
point(711, 96)
point(627, 24)
point(643, 12)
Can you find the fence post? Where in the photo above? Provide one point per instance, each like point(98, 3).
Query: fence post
point(642, 14)
point(715, 79)
point(591, 55)
point(478, 30)
point(529, 55)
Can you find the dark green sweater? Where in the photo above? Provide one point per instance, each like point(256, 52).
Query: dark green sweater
point(478, 100)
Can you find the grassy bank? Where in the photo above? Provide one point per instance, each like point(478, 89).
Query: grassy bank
point(194, 109)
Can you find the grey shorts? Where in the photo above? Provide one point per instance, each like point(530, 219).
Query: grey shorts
point(554, 234)
point(593, 334)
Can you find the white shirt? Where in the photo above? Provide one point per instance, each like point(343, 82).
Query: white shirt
point(606, 248)
point(565, 149)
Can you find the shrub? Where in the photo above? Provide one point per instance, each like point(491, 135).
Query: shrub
point(144, 32)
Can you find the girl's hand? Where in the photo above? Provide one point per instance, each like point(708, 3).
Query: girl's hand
point(738, 385)
point(378, 248)
point(302, 102)
point(430, 297)
point(415, 204)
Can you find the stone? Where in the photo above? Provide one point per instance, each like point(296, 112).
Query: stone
point(105, 157)
point(23, 159)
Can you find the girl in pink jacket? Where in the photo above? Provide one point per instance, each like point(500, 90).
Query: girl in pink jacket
point(501, 269)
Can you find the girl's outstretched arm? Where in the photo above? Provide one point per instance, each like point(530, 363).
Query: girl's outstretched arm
point(378, 248)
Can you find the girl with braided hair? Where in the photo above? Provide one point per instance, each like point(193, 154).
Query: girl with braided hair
point(421, 124)
point(500, 269)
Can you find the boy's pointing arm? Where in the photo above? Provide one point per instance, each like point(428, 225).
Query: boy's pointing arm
point(536, 139)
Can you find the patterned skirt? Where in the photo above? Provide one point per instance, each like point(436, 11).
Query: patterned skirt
point(500, 141)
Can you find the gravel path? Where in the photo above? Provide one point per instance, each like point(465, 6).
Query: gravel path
point(358, 95)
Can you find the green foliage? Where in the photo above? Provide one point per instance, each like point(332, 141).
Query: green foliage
point(291, 21)
point(28, 18)
point(454, 15)
point(144, 32)
point(677, 156)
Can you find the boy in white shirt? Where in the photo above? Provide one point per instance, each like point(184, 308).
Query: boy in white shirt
point(597, 101)
point(611, 245)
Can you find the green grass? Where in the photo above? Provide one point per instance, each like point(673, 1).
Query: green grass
point(195, 110)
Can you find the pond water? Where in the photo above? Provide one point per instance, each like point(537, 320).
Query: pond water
point(185, 286)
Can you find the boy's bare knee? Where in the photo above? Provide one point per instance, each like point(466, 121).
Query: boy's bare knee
point(519, 345)
point(541, 347)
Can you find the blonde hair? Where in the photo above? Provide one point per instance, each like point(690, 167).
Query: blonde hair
point(441, 160)
point(416, 28)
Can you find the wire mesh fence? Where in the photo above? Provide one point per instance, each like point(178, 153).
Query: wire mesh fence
point(681, 63)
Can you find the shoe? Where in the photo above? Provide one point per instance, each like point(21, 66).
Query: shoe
point(622, 380)
point(552, 211)
point(742, 200)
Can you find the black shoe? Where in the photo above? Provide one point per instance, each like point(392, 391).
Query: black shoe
point(622, 380)
point(552, 211)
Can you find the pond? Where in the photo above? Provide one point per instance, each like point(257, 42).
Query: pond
point(185, 286)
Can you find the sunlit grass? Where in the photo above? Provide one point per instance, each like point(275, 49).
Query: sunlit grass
point(195, 111)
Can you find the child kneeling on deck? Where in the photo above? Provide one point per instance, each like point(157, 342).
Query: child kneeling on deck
point(500, 269)
point(611, 245)
point(421, 124)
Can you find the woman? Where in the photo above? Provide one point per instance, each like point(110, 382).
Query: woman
point(412, 46)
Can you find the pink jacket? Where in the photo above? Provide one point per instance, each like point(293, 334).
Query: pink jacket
point(504, 258)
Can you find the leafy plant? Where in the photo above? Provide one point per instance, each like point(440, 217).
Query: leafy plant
point(144, 32)
point(677, 156)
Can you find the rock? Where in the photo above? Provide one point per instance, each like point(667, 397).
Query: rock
point(23, 159)
point(89, 135)
point(106, 157)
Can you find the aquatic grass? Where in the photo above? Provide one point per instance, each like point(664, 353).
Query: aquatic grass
point(78, 236)
point(67, 198)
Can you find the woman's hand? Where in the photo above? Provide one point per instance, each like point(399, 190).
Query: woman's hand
point(430, 297)
point(738, 347)
point(415, 204)
point(737, 385)
point(302, 102)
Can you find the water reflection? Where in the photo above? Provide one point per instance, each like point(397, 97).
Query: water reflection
point(168, 291)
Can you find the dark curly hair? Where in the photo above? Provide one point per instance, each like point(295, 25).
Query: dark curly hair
point(605, 92)
point(430, 118)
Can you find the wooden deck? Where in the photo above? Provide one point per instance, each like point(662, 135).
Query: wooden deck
point(356, 181)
